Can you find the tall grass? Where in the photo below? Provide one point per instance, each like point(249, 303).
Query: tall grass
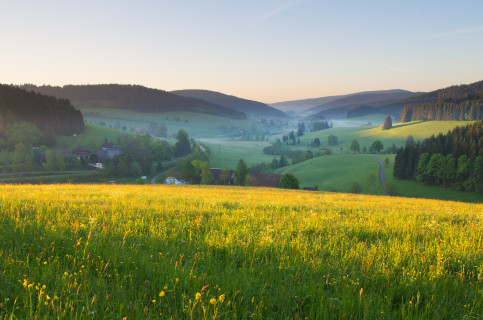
point(104, 251)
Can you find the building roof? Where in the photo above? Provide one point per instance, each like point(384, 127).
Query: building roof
point(81, 150)
point(267, 179)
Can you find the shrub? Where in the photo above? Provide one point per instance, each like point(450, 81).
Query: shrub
point(288, 181)
point(355, 188)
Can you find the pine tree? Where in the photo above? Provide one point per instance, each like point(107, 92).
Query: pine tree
point(387, 123)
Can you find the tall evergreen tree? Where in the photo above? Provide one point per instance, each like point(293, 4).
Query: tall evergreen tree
point(387, 123)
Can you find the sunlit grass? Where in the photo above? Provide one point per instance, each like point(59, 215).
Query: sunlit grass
point(106, 251)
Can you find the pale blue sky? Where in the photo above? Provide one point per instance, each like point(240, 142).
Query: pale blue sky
point(264, 50)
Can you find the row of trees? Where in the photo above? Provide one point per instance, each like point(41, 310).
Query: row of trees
point(453, 160)
point(467, 110)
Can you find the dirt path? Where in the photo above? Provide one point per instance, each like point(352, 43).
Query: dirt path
point(381, 172)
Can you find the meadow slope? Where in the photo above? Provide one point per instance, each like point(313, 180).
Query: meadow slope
point(108, 251)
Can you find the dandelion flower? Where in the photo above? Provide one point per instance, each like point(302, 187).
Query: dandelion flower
point(161, 294)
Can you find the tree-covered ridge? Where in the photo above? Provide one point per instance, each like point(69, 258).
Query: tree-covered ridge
point(135, 98)
point(464, 102)
point(243, 105)
point(51, 115)
point(452, 160)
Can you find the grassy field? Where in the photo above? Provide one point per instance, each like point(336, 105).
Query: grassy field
point(368, 134)
point(338, 172)
point(226, 153)
point(198, 125)
point(84, 251)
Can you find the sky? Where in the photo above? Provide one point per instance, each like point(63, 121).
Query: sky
point(264, 50)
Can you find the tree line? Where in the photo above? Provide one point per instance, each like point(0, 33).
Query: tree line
point(43, 116)
point(453, 160)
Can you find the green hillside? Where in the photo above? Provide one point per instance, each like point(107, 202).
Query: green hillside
point(338, 173)
point(134, 98)
point(368, 134)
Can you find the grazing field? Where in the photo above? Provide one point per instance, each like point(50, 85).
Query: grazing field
point(190, 252)
point(366, 135)
point(338, 173)
point(226, 153)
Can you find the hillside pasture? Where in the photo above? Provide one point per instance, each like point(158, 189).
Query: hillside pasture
point(338, 173)
point(366, 135)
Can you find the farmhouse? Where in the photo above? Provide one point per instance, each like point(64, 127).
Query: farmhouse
point(81, 152)
point(173, 180)
point(267, 180)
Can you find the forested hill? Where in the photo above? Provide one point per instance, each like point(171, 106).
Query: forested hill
point(464, 102)
point(243, 105)
point(134, 98)
point(51, 115)
point(362, 103)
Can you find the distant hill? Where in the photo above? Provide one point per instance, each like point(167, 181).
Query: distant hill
point(134, 98)
point(243, 105)
point(316, 106)
point(304, 104)
point(51, 115)
point(461, 102)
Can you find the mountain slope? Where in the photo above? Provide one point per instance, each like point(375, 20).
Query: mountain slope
point(360, 98)
point(460, 102)
point(316, 105)
point(243, 105)
point(463, 102)
point(135, 98)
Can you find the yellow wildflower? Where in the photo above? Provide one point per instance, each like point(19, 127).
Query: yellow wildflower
point(198, 296)
point(213, 301)
point(161, 294)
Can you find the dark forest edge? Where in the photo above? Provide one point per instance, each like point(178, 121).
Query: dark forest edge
point(26, 116)
point(454, 160)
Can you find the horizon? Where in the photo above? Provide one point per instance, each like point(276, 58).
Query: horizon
point(270, 52)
